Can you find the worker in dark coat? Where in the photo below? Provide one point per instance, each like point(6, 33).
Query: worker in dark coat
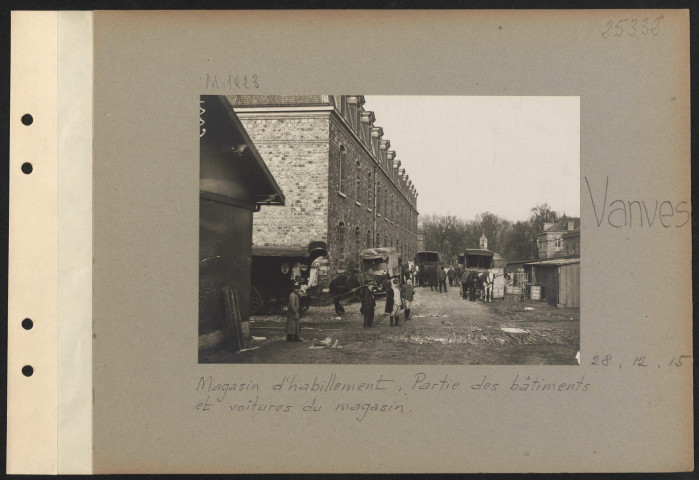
point(293, 315)
point(368, 303)
point(450, 276)
point(464, 283)
point(457, 275)
point(442, 279)
point(404, 272)
point(471, 284)
point(433, 278)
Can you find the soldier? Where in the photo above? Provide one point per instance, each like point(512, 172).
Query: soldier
point(368, 303)
point(464, 283)
point(407, 293)
point(442, 279)
point(450, 275)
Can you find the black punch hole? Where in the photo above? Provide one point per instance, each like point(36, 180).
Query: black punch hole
point(27, 168)
point(27, 119)
point(27, 370)
point(27, 324)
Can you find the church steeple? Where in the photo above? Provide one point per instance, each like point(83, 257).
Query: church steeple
point(484, 242)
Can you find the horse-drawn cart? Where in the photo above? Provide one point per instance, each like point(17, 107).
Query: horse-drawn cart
point(274, 271)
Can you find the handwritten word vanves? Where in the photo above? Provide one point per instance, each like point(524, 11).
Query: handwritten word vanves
point(631, 213)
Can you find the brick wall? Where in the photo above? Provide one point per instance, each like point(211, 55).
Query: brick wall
point(302, 151)
point(351, 209)
point(295, 149)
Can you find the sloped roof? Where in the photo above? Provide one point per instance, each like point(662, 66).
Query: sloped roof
point(562, 225)
point(478, 251)
point(278, 100)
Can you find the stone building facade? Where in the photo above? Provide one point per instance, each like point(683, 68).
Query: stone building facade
point(343, 182)
point(552, 243)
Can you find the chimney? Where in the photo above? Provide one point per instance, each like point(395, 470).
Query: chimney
point(352, 103)
point(376, 134)
point(387, 158)
point(366, 119)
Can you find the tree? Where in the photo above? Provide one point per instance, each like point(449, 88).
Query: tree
point(542, 214)
point(520, 242)
point(494, 228)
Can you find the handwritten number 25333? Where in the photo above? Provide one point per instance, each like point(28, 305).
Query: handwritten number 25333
point(632, 27)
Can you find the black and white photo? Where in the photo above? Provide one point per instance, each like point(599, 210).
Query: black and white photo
point(361, 229)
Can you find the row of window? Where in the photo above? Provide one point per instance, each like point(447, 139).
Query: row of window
point(387, 206)
point(399, 245)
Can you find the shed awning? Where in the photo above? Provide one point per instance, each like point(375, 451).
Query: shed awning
point(269, 192)
point(478, 251)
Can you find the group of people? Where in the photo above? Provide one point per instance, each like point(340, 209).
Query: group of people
point(399, 296)
point(433, 276)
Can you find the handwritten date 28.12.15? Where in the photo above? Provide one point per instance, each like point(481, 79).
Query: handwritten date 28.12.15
point(632, 27)
point(641, 361)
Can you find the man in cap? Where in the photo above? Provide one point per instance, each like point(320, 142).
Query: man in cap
point(293, 315)
point(368, 304)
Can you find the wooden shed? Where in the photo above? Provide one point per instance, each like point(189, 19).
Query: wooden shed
point(559, 278)
point(233, 183)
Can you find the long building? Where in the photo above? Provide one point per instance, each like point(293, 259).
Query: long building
point(343, 183)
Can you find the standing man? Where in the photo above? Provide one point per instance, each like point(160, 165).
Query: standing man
point(488, 286)
point(404, 272)
point(407, 293)
point(433, 277)
point(464, 283)
point(397, 301)
point(391, 299)
point(450, 275)
point(368, 304)
point(457, 275)
point(442, 278)
point(293, 315)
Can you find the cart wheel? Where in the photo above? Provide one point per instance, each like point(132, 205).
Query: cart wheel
point(256, 301)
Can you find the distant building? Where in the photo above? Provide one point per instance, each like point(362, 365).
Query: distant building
point(550, 242)
point(571, 243)
point(343, 183)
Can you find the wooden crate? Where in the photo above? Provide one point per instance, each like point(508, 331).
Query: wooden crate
point(514, 297)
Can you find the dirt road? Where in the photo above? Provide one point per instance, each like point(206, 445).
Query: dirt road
point(444, 330)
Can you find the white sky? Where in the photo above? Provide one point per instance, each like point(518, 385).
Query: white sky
point(468, 155)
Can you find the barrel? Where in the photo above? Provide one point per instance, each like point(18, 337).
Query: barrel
point(535, 292)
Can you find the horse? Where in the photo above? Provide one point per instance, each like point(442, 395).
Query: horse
point(342, 287)
point(473, 283)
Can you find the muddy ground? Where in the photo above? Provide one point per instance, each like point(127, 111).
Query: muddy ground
point(444, 330)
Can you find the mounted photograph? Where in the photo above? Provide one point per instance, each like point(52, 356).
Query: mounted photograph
point(404, 230)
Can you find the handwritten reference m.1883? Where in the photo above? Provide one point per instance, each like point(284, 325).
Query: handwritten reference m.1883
point(413, 230)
